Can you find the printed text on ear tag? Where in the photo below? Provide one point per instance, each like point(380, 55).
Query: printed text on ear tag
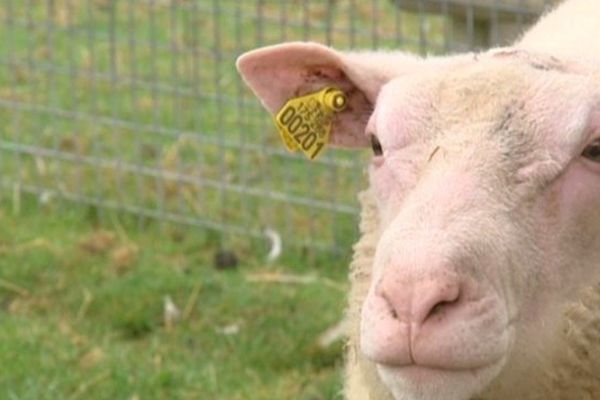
point(304, 123)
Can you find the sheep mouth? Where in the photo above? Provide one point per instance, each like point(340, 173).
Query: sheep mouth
point(423, 381)
point(417, 373)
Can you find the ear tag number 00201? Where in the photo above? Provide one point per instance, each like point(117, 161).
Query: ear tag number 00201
point(304, 123)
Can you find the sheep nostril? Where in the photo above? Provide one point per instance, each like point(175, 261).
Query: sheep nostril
point(439, 307)
point(442, 306)
point(415, 302)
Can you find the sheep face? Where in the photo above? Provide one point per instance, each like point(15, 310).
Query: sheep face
point(486, 178)
point(489, 223)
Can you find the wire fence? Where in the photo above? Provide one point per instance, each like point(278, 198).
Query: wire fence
point(135, 105)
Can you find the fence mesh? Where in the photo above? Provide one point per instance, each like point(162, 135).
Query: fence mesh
point(135, 105)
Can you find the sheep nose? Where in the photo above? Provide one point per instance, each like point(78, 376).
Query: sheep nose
point(401, 311)
point(418, 302)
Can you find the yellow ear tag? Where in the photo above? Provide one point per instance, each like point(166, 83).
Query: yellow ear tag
point(304, 123)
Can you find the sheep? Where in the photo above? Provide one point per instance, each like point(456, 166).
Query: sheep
point(477, 273)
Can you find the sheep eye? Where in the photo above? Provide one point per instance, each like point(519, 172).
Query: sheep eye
point(376, 146)
point(592, 152)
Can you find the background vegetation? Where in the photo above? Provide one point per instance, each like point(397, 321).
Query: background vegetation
point(130, 154)
point(82, 315)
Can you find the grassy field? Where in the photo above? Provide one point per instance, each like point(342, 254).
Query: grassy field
point(82, 315)
point(114, 113)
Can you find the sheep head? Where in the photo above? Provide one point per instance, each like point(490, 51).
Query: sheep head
point(486, 179)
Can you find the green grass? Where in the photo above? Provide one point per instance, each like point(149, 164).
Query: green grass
point(81, 321)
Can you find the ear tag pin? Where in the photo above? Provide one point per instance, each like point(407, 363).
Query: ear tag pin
point(304, 123)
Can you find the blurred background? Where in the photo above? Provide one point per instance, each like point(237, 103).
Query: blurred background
point(144, 194)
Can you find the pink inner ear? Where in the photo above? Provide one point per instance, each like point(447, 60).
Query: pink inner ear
point(278, 73)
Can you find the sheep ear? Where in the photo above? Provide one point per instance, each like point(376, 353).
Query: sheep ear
point(277, 73)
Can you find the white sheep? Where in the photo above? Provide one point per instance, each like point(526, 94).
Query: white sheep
point(477, 275)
